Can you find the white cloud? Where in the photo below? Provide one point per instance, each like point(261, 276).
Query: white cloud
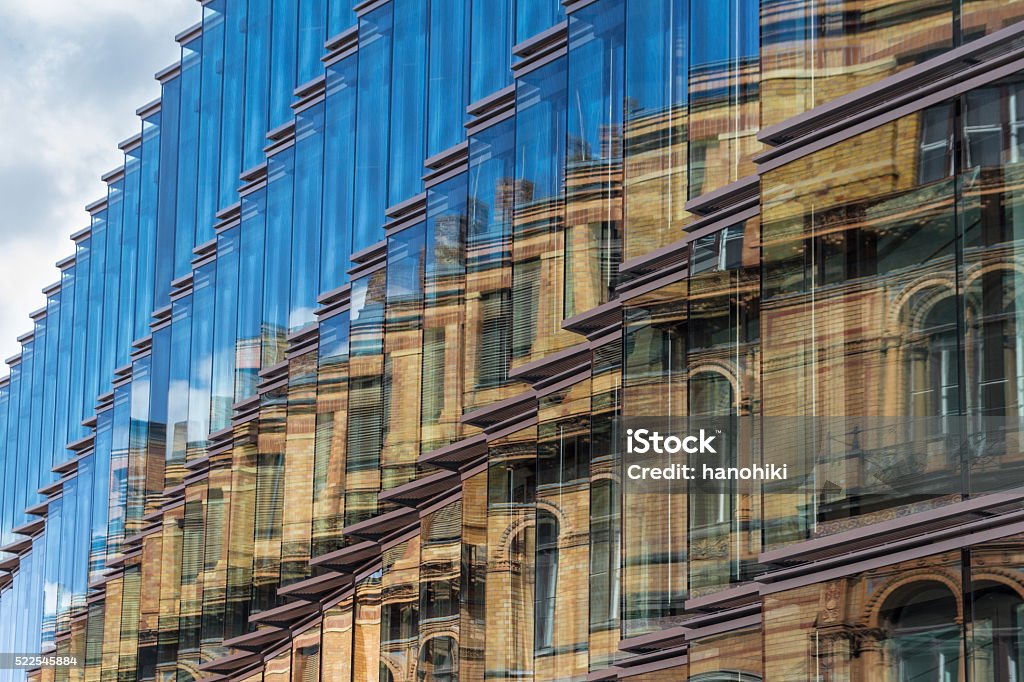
point(73, 74)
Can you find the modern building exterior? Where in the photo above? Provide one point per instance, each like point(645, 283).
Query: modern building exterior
point(332, 385)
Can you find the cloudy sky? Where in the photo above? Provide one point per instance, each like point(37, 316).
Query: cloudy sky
point(72, 73)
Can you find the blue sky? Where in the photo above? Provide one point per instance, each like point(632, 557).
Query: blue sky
point(73, 73)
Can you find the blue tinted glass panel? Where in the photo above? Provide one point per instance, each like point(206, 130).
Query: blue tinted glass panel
point(250, 306)
point(233, 104)
point(79, 356)
point(14, 468)
point(257, 83)
point(372, 132)
point(656, 55)
point(97, 278)
point(277, 263)
point(312, 34)
point(407, 100)
point(168, 194)
point(448, 65)
point(176, 443)
point(48, 445)
point(225, 329)
point(65, 354)
point(149, 175)
point(101, 493)
point(339, 154)
point(210, 119)
point(340, 17)
point(129, 257)
point(309, 182)
point(490, 47)
point(188, 157)
point(283, 44)
point(203, 299)
point(535, 16)
point(111, 284)
point(121, 418)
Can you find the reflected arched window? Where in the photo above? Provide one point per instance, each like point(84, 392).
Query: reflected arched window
point(711, 395)
point(546, 580)
point(923, 635)
point(997, 640)
point(933, 372)
point(438, 659)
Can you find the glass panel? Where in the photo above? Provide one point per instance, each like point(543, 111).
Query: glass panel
point(537, 254)
point(149, 187)
point(283, 66)
point(299, 453)
point(990, 209)
point(167, 192)
point(204, 289)
point(331, 435)
point(403, 334)
point(817, 51)
point(982, 17)
point(340, 17)
point(225, 332)
point(257, 83)
point(473, 576)
point(490, 47)
point(250, 306)
point(443, 314)
point(899, 622)
point(312, 34)
point(336, 647)
point(446, 111)
point(339, 181)
point(593, 165)
point(210, 123)
point(511, 533)
point(724, 94)
point(236, 27)
point(654, 572)
point(373, 103)
point(309, 189)
point(270, 473)
point(535, 16)
point(129, 260)
point(655, 135)
point(408, 105)
point(178, 392)
point(277, 255)
point(562, 542)
point(188, 157)
point(367, 637)
point(439, 594)
point(605, 506)
point(859, 260)
point(365, 402)
point(399, 612)
point(488, 301)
